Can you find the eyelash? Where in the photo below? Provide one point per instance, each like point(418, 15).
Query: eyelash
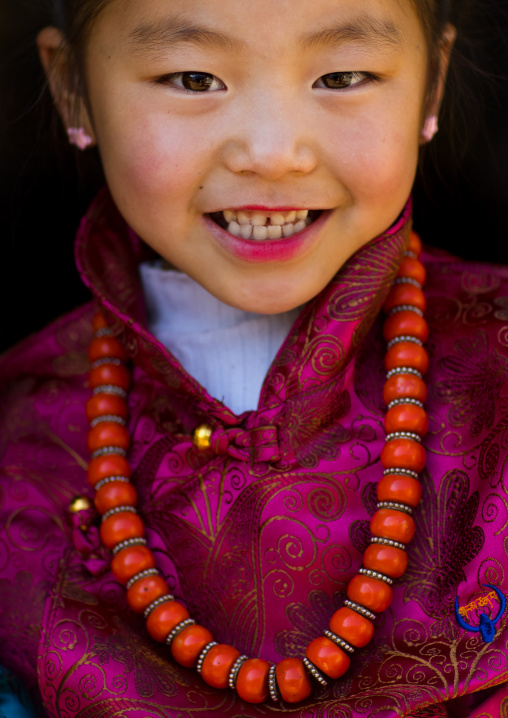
point(173, 76)
point(359, 78)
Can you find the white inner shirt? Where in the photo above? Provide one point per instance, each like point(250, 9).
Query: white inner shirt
point(227, 350)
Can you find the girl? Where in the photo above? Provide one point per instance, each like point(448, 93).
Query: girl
point(254, 496)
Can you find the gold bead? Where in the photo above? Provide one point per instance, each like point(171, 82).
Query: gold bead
point(79, 503)
point(201, 436)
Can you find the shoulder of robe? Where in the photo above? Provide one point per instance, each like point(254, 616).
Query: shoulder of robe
point(43, 428)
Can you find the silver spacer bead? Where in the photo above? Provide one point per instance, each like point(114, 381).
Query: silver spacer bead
point(409, 253)
point(142, 574)
point(376, 574)
point(202, 655)
point(405, 400)
point(118, 510)
point(235, 670)
point(158, 602)
point(127, 544)
point(404, 472)
point(314, 671)
point(107, 450)
point(109, 480)
point(360, 609)
point(109, 418)
point(339, 641)
point(272, 684)
point(405, 308)
point(404, 338)
point(388, 542)
point(396, 506)
point(104, 332)
point(178, 629)
point(110, 389)
point(408, 280)
point(403, 435)
point(105, 360)
point(404, 370)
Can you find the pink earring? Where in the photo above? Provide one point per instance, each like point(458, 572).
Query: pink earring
point(430, 128)
point(79, 138)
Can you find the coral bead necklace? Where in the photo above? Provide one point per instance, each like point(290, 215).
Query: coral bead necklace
point(369, 592)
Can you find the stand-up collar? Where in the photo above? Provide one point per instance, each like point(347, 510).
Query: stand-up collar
point(317, 351)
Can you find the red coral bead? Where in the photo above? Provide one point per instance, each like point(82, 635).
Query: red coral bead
point(406, 323)
point(389, 560)
point(403, 454)
point(164, 618)
point(328, 657)
point(120, 527)
point(108, 433)
point(98, 322)
point(405, 294)
point(415, 243)
point(352, 627)
point(401, 386)
point(217, 665)
point(293, 681)
point(115, 374)
point(106, 347)
point(113, 494)
point(130, 561)
point(105, 404)
point(370, 592)
point(406, 417)
point(392, 524)
point(187, 646)
point(412, 269)
point(252, 680)
point(407, 354)
point(399, 488)
point(105, 466)
point(145, 591)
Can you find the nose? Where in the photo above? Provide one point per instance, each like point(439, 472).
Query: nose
point(271, 140)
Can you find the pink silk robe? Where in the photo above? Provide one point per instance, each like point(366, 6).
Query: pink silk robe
point(260, 535)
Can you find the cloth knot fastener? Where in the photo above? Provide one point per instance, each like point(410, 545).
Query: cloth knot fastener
point(260, 444)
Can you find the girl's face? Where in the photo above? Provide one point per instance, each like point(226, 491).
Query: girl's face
point(217, 120)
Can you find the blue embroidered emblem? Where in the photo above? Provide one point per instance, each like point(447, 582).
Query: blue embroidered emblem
point(487, 626)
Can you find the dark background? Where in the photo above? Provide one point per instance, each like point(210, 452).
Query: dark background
point(45, 186)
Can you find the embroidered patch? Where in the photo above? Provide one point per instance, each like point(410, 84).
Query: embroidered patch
point(487, 626)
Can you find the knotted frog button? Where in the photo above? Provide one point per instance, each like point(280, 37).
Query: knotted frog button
point(79, 503)
point(201, 437)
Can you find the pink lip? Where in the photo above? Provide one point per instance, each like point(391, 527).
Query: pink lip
point(268, 250)
point(262, 208)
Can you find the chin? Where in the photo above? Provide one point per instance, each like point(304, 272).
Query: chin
point(263, 305)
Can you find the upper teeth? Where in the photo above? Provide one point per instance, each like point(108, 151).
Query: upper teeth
point(264, 225)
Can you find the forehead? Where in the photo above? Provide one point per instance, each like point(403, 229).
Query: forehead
point(298, 25)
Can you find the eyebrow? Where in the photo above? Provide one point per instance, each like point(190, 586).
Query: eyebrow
point(364, 29)
point(158, 36)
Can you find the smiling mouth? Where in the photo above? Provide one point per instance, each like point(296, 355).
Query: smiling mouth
point(260, 226)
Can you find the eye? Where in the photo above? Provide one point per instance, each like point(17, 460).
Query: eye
point(343, 80)
point(193, 81)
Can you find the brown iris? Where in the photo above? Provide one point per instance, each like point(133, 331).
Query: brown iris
point(197, 81)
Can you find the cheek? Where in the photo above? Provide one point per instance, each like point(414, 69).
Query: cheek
point(376, 157)
point(146, 157)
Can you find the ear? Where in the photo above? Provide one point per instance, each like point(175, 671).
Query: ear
point(55, 59)
point(435, 99)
